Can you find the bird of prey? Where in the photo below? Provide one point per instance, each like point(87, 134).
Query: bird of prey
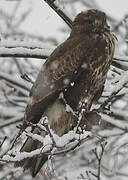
point(78, 69)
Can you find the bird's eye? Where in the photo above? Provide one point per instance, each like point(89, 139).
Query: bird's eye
point(98, 22)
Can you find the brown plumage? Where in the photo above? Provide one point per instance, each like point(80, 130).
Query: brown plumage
point(78, 68)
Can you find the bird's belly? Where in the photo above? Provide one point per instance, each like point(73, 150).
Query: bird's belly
point(59, 119)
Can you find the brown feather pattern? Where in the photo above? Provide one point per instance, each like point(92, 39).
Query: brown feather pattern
point(84, 60)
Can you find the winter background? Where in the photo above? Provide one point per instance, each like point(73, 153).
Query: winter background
point(29, 31)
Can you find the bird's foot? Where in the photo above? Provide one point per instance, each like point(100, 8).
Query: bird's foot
point(89, 119)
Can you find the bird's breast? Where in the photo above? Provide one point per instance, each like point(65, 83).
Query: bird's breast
point(60, 120)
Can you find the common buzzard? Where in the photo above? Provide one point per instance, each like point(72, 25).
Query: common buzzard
point(77, 69)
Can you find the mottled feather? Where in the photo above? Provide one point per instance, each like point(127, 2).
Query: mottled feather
point(78, 68)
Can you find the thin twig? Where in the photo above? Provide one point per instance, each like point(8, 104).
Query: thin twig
point(87, 173)
point(13, 81)
point(49, 132)
point(99, 158)
point(1, 143)
point(27, 78)
point(122, 60)
point(109, 99)
point(9, 122)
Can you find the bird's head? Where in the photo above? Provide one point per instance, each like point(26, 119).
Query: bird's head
point(91, 21)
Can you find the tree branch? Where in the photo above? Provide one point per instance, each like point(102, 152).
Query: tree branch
point(14, 81)
point(66, 19)
point(99, 158)
point(10, 122)
point(22, 53)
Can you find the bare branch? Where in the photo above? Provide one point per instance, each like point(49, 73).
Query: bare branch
point(66, 19)
point(99, 158)
point(14, 81)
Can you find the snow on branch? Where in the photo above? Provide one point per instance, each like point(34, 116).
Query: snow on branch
point(11, 48)
point(119, 83)
point(60, 145)
point(65, 143)
point(118, 87)
point(121, 58)
point(115, 122)
point(16, 43)
point(23, 49)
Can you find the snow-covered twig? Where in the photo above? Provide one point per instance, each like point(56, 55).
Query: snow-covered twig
point(64, 144)
point(23, 49)
point(121, 58)
point(120, 82)
point(23, 53)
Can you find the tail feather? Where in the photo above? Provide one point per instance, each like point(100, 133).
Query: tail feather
point(35, 163)
point(60, 121)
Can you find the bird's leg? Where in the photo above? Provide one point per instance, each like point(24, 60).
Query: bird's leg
point(87, 118)
point(82, 120)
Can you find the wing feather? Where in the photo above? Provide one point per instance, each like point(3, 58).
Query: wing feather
point(55, 75)
point(62, 67)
